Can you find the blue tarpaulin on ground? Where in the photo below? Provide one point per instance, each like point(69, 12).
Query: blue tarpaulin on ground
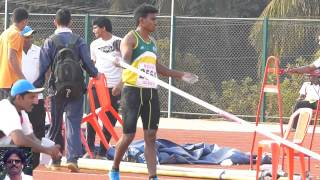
point(171, 153)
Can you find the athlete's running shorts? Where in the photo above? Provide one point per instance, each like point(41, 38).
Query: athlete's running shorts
point(136, 102)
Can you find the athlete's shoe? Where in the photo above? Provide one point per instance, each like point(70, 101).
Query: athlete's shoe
point(114, 175)
point(154, 178)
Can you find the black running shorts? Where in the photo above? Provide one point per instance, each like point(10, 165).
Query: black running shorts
point(136, 102)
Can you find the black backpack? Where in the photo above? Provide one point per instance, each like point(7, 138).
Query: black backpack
point(67, 76)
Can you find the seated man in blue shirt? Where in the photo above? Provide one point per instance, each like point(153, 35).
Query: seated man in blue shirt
point(66, 99)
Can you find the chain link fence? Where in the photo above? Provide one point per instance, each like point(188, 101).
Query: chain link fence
point(219, 52)
point(296, 42)
point(225, 53)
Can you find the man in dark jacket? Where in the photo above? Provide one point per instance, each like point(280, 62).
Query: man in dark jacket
point(60, 104)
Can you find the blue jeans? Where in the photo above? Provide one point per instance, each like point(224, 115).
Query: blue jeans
point(74, 113)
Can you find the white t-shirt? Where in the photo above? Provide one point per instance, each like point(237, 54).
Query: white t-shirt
point(11, 121)
point(311, 91)
point(103, 53)
point(30, 64)
point(24, 177)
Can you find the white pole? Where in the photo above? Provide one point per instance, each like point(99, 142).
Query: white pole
point(5, 14)
point(171, 58)
point(225, 114)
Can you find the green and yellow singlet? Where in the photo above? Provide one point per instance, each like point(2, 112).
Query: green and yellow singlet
point(144, 58)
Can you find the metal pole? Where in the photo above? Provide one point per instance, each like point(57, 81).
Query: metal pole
point(87, 38)
point(172, 24)
point(264, 62)
point(87, 32)
point(5, 15)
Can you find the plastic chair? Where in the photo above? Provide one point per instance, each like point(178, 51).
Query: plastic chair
point(305, 115)
point(316, 113)
point(102, 91)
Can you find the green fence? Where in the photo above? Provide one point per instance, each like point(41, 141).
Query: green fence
point(221, 51)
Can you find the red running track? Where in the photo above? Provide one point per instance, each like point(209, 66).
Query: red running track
point(238, 140)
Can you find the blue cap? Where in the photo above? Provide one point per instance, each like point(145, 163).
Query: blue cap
point(23, 86)
point(27, 31)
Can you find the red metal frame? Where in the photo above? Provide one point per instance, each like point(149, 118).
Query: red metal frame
point(272, 60)
point(277, 71)
point(102, 91)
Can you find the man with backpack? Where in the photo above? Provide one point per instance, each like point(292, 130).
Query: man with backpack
point(66, 54)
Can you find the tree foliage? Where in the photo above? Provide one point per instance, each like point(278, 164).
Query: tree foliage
point(221, 8)
point(296, 33)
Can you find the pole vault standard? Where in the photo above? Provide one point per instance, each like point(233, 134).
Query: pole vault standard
point(223, 113)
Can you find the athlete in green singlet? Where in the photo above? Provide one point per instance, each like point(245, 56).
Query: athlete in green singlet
point(139, 95)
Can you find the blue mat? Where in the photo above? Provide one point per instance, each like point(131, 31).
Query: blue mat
point(171, 153)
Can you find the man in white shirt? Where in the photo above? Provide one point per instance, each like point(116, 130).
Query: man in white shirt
point(103, 52)
point(310, 91)
point(14, 161)
point(30, 69)
point(30, 55)
point(15, 125)
point(308, 69)
point(309, 95)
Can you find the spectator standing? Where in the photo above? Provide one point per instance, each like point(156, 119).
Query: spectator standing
point(11, 45)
